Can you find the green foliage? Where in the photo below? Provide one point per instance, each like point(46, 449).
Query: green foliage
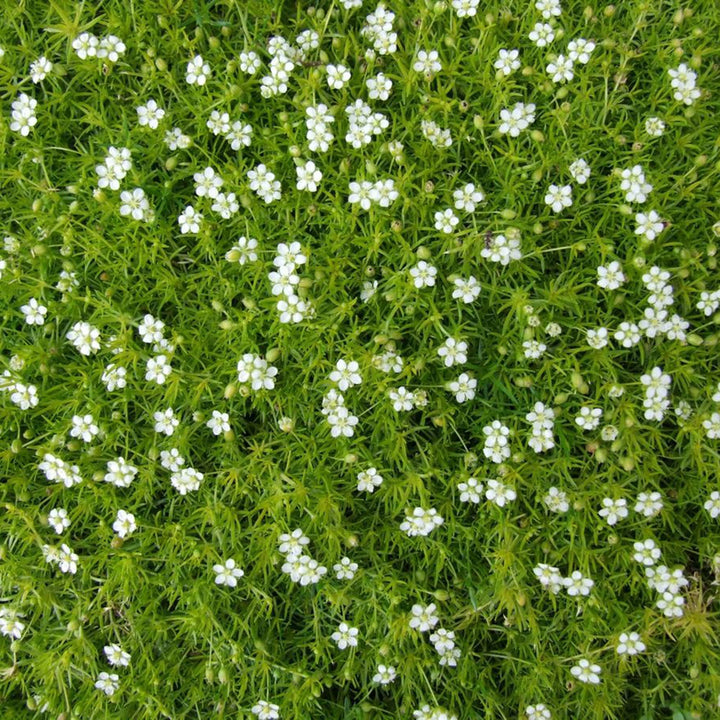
point(203, 650)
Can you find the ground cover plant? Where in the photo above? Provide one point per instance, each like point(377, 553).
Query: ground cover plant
point(359, 360)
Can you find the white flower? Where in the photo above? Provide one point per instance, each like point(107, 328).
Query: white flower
point(463, 8)
point(499, 493)
point(124, 524)
point(445, 221)
point(423, 274)
point(556, 500)
point(646, 552)
point(368, 480)
point(559, 197)
point(40, 68)
point(597, 338)
point(34, 312)
point(219, 422)
point(470, 490)
point(175, 139)
point(189, 220)
point(537, 712)
point(613, 510)
point(150, 114)
point(453, 351)
point(438, 136)
point(560, 70)
point(225, 204)
point(586, 672)
point(671, 604)
point(85, 45)
point(135, 204)
point(507, 61)
point(249, 62)
point(165, 421)
point(497, 446)
point(84, 337)
point(466, 290)
point(23, 117)
point(549, 8)
point(345, 636)
point(342, 422)
point(427, 62)
point(549, 577)
point(24, 396)
point(423, 617)
point(84, 427)
point(158, 369)
point(58, 520)
point(712, 504)
point(385, 674)
point(345, 569)
point(346, 374)
point(654, 126)
point(116, 656)
point(630, 644)
point(402, 399)
point(649, 504)
point(463, 387)
point(337, 76)
point(649, 225)
point(580, 171)
point(542, 34)
point(580, 49)
point(243, 251)
point(611, 276)
point(578, 584)
point(186, 480)
point(589, 417)
point(120, 473)
point(111, 48)
point(379, 87)
point(308, 176)
point(108, 683)
point(533, 349)
point(227, 573)
point(266, 710)
point(421, 522)
point(198, 71)
point(67, 560)
point(516, 119)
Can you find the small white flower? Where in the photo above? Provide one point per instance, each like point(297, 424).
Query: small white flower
point(630, 644)
point(613, 510)
point(586, 672)
point(559, 197)
point(198, 71)
point(108, 683)
point(124, 524)
point(345, 636)
point(116, 656)
point(227, 573)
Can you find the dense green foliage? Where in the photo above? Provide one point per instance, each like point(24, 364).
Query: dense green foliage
point(201, 649)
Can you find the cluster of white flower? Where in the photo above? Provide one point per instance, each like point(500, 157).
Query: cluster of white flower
point(108, 47)
point(186, 480)
point(364, 193)
point(317, 123)
point(341, 421)
point(281, 65)
point(59, 471)
point(120, 473)
point(114, 168)
point(299, 566)
point(263, 182)
point(424, 619)
point(255, 370)
point(576, 584)
point(237, 133)
point(439, 137)
point(421, 522)
point(516, 119)
point(378, 29)
point(497, 444)
point(22, 395)
point(634, 184)
point(23, 117)
point(542, 421)
point(657, 389)
point(682, 81)
point(63, 557)
point(502, 248)
point(363, 124)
